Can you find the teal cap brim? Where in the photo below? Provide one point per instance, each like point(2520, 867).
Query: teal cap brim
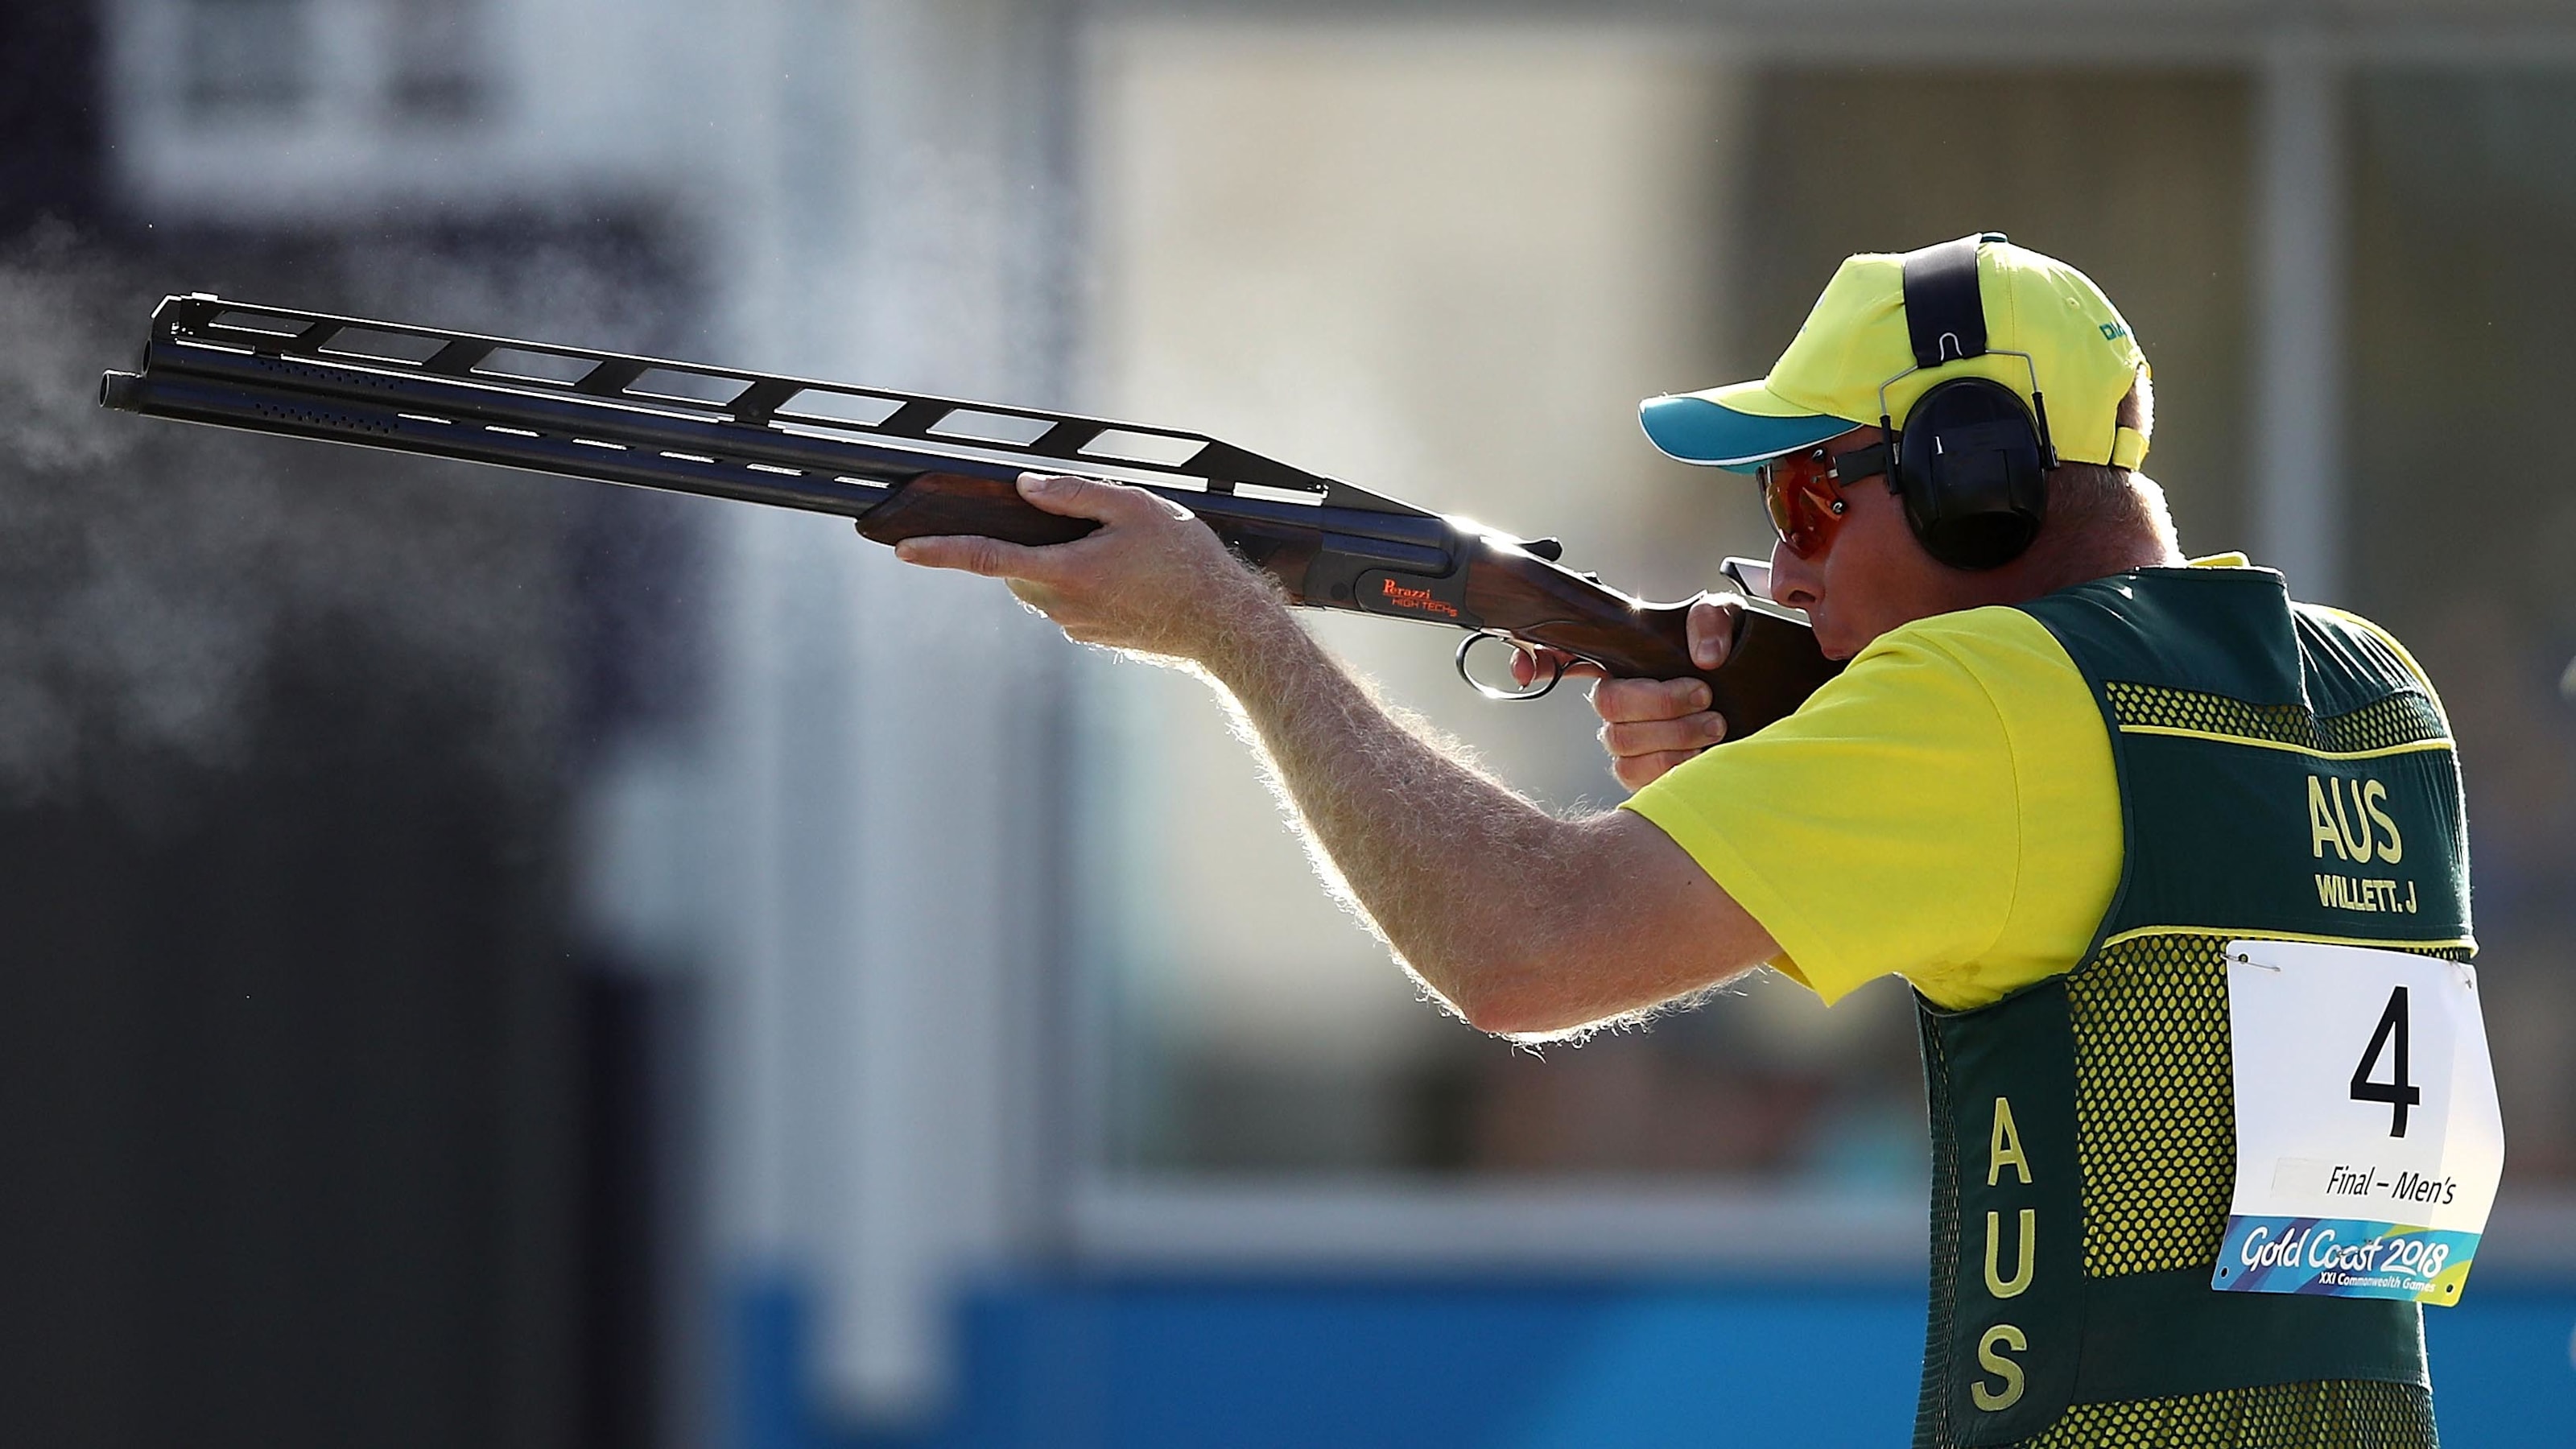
point(1696, 430)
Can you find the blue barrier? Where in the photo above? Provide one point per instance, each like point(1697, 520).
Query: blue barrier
point(2504, 1366)
point(1248, 1364)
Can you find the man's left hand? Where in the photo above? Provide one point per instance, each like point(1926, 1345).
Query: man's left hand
point(1152, 579)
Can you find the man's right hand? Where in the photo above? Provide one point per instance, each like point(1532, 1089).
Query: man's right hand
point(1651, 725)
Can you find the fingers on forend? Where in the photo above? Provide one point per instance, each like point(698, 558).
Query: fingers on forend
point(1076, 497)
point(1099, 499)
point(970, 553)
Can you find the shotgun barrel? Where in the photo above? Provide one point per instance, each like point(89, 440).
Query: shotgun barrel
point(905, 464)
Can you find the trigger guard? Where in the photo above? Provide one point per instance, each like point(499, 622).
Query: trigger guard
point(1467, 646)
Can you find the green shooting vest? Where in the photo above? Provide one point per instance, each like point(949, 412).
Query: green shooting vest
point(2282, 773)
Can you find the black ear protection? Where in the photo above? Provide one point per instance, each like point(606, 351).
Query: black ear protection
point(1971, 463)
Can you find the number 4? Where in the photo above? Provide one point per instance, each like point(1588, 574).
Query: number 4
point(2397, 1092)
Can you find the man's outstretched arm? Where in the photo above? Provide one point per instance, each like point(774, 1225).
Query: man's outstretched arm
point(1524, 921)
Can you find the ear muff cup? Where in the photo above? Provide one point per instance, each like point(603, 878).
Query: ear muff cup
point(1969, 468)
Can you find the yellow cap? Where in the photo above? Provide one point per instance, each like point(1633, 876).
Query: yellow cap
point(1855, 341)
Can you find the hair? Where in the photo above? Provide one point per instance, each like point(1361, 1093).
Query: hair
point(2099, 513)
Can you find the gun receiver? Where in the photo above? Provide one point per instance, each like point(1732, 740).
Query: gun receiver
point(905, 465)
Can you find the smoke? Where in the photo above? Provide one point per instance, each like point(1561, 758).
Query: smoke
point(156, 573)
point(48, 295)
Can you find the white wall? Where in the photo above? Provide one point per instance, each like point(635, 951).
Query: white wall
point(1442, 261)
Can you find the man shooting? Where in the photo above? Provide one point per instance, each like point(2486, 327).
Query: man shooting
point(2065, 787)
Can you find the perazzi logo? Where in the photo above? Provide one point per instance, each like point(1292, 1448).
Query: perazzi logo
point(2351, 819)
point(1418, 600)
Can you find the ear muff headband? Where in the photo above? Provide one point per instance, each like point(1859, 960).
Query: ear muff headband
point(1972, 462)
point(1945, 309)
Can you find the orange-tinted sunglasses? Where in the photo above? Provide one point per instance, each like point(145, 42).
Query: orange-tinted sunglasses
point(1803, 491)
point(1805, 500)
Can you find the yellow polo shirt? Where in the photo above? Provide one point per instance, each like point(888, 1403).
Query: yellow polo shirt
point(1945, 810)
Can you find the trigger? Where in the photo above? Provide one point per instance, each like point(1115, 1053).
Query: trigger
point(1535, 690)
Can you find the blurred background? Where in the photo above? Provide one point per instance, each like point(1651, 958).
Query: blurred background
point(499, 960)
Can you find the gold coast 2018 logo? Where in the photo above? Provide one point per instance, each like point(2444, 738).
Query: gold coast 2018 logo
point(2350, 819)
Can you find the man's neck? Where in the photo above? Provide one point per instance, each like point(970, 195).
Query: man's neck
point(2099, 554)
point(2062, 563)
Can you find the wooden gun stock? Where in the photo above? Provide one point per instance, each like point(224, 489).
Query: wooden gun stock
point(1772, 664)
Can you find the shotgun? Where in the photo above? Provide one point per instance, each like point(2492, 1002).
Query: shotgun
point(905, 465)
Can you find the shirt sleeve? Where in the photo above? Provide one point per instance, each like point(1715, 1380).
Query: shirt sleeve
point(1892, 824)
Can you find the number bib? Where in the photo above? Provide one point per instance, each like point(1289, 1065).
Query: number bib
point(2368, 1143)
